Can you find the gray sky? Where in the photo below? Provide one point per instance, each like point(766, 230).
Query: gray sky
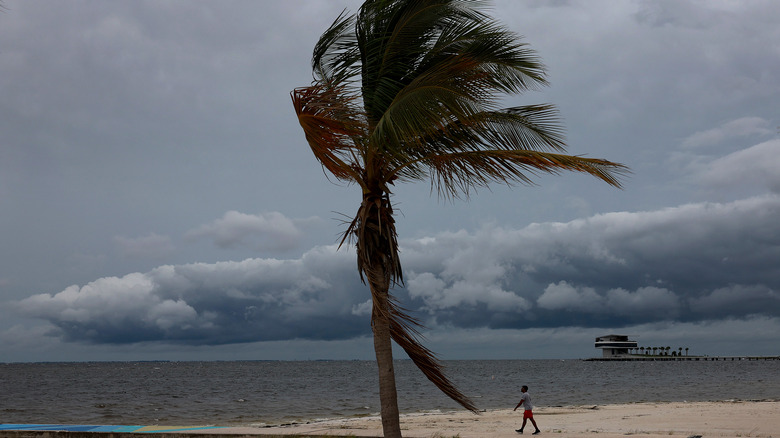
point(158, 199)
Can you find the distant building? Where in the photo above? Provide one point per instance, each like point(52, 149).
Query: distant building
point(615, 345)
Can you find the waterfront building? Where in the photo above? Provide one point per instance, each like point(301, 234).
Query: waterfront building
point(615, 345)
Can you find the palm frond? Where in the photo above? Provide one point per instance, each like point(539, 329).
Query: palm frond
point(405, 333)
point(443, 62)
point(528, 128)
point(376, 241)
point(333, 128)
point(336, 55)
point(456, 174)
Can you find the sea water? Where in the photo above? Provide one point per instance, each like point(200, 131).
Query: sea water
point(270, 393)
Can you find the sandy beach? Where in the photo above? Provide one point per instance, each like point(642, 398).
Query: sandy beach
point(678, 419)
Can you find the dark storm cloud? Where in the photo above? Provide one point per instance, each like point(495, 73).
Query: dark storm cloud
point(695, 262)
point(314, 297)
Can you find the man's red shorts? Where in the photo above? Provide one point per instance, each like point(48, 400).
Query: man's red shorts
point(528, 414)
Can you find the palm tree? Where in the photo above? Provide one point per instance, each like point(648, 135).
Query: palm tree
point(407, 90)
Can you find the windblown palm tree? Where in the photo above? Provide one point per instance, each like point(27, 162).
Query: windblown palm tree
point(407, 90)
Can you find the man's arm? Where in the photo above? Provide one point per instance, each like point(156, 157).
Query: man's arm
point(522, 400)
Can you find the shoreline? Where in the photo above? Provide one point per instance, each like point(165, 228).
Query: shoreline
point(753, 418)
point(728, 418)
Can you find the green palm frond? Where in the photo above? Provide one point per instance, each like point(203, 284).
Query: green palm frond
point(532, 127)
point(336, 56)
point(436, 71)
point(457, 174)
point(509, 146)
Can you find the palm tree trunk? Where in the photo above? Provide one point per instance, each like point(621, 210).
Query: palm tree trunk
point(388, 398)
point(377, 250)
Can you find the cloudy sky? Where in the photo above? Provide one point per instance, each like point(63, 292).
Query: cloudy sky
point(158, 200)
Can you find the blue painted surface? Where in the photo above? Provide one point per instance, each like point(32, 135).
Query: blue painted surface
point(101, 428)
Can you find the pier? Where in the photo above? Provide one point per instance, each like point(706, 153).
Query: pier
point(621, 348)
point(682, 358)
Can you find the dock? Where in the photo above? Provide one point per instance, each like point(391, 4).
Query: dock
point(681, 358)
point(616, 347)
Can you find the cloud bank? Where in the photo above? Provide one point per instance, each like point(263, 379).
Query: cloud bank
point(693, 263)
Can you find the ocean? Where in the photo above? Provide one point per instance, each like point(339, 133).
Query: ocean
point(270, 393)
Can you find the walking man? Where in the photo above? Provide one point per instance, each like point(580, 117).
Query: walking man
point(528, 414)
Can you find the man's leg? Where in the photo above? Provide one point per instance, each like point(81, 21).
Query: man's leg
point(535, 426)
point(521, 427)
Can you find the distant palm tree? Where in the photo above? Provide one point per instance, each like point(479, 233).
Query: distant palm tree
point(686, 351)
point(642, 349)
point(407, 90)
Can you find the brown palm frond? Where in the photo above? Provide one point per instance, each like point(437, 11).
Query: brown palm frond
point(373, 229)
point(376, 240)
point(332, 127)
point(405, 333)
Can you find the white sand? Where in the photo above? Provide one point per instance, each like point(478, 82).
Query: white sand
point(706, 419)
